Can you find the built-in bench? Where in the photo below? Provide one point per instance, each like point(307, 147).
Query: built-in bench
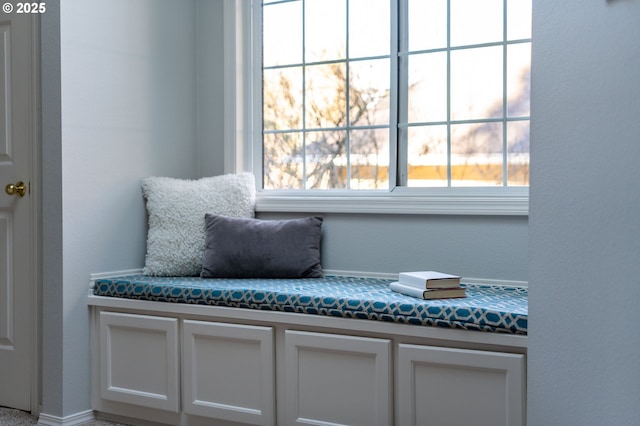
point(189, 351)
point(486, 308)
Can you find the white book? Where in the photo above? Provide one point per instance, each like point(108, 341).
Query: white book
point(429, 279)
point(436, 293)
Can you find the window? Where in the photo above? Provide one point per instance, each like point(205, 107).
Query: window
point(395, 97)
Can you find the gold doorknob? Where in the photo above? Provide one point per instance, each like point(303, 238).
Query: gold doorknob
point(17, 189)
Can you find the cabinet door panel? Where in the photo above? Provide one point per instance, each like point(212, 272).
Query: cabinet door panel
point(443, 386)
point(228, 372)
point(139, 360)
point(335, 379)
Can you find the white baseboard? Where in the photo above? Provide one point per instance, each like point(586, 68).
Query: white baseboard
point(74, 419)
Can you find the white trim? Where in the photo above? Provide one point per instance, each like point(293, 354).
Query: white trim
point(363, 274)
point(443, 202)
point(102, 275)
point(393, 276)
point(238, 97)
point(36, 210)
point(500, 283)
point(74, 419)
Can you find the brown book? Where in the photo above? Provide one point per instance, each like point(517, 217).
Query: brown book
point(427, 294)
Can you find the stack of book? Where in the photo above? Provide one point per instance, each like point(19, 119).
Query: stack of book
point(428, 285)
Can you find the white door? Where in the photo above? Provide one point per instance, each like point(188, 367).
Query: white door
point(17, 123)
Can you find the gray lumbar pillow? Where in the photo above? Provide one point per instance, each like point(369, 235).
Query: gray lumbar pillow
point(255, 248)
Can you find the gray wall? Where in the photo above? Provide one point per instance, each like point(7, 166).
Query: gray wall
point(485, 247)
point(210, 89)
point(583, 361)
point(52, 289)
point(125, 108)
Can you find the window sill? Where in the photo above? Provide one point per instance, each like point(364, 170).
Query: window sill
point(496, 202)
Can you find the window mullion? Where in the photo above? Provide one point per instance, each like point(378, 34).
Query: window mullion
point(449, 167)
point(347, 135)
point(399, 110)
point(505, 157)
point(304, 96)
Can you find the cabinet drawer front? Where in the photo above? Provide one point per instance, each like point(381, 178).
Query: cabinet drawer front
point(444, 386)
point(336, 379)
point(228, 372)
point(139, 360)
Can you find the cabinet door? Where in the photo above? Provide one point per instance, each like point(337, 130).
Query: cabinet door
point(139, 360)
point(228, 372)
point(443, 386)
point(338, 380)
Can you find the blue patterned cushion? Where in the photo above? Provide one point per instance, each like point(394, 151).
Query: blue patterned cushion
point(486, 308)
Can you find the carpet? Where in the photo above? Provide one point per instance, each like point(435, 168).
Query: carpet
point(11, 417)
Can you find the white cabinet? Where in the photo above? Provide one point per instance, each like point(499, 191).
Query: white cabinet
point(337, 379)
point(138, 361)
point(228, 372)
point(445, 386)
point(265, 368)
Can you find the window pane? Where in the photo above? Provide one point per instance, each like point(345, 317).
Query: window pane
point(476, 154)
point(326, 160)
point(518, 153)
point(427, 24)
point(427, 156)
point(476, 83)
point(476, 21)
point(325, 30)
point(427, 94)
point(369, 33)
point(369, 92)
point(518, 19)
point(282, 98)
point(518, 79)
point(282, 34)
point(461, 90)
point(369, 159)
point(326, 100)
point(283, 161)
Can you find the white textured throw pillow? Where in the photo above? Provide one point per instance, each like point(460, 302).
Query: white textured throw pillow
point(176, 209)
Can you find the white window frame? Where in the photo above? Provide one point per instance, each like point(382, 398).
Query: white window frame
point(243, 145)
